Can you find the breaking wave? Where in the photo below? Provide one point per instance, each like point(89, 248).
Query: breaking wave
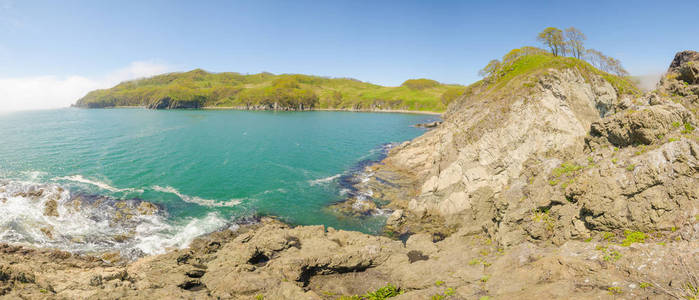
point(195, 199)
point(49, 215)
point(324, 180)
point(102, 185)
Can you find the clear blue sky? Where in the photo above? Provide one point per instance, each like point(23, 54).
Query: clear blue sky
point(383, 42)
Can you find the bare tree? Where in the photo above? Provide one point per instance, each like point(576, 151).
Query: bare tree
point(605, 63)
point(490, 68)
point(575, 40)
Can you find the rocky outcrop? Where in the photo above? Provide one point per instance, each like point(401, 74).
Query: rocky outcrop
point(482, 149)
point(169, 103)
point(686, 66)
point(641, 124)
point(681, 82)
point(270, 260)
point(566, 158)
point(429, 124)
point(274, 106)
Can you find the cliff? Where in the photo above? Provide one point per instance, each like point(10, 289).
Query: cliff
point(552, 180)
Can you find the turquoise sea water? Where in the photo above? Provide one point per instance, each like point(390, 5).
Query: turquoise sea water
point(206, 168)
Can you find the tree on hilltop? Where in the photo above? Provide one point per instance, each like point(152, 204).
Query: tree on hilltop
point(552, 37)
point(490, 68)
point(575, 40)
point(605, 63)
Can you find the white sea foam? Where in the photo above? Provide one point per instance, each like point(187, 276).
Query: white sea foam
point(34, 175)
point(102, 185)
point(324, 180)
point(158, 239)
point(89, 227)
point(195, 199)
point(279, 190)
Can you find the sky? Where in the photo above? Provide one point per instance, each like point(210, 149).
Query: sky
point(54, 52)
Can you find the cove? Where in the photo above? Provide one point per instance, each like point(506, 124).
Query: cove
point(205, 168)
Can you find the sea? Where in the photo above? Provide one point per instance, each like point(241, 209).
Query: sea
point(205, 170)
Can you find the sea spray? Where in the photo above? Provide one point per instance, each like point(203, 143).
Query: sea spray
point(49, 215)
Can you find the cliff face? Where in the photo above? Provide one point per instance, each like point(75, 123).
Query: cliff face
point(169, 103)
point(570, 150)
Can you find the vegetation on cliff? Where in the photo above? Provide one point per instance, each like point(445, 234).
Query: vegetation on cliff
point(520, 69)
point(199, 88)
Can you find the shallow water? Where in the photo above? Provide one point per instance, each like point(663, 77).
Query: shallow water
point(205, 168)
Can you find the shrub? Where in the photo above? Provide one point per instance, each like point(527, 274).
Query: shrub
point(387, 291)
point(633, 237)
point(565, 168)
point(614, 290)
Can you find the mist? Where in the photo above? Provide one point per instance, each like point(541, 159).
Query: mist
point(648, 82)
point(49, 92)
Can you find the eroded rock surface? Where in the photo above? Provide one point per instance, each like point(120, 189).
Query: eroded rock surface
point(275, 261)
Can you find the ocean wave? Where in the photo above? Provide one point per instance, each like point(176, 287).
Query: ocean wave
point(324, 180)
point(157, 239)
point(49, 216)
point(195, 199)
point(102, 185)
point(279, 190)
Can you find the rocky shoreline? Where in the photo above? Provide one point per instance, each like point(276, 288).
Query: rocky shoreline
point(557, 186)
point(271, 108)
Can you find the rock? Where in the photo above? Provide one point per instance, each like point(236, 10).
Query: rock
point(686, 66)
point(656, 195)
point(429, 124)
point(169, 103)
point(147, 208)
point(681, 82)
point(51, 208)
point(48, 231)
point(645, 126)
point(396, 219)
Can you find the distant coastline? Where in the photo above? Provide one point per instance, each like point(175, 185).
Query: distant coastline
point(397, 111)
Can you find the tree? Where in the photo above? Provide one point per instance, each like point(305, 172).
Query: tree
point(595, 57)
point(575, 40)
point(553, 38)
point(490, 68)
point(529, 50)
point(605, 63)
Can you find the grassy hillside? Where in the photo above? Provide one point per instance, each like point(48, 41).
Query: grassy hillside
point(520, 73)
point(199, 88)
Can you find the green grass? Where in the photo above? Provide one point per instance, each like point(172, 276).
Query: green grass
point(234, 90)
point(565, 168)
point(539, 63)
point(613, 290)
point(382, 293)
point(631, 237)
